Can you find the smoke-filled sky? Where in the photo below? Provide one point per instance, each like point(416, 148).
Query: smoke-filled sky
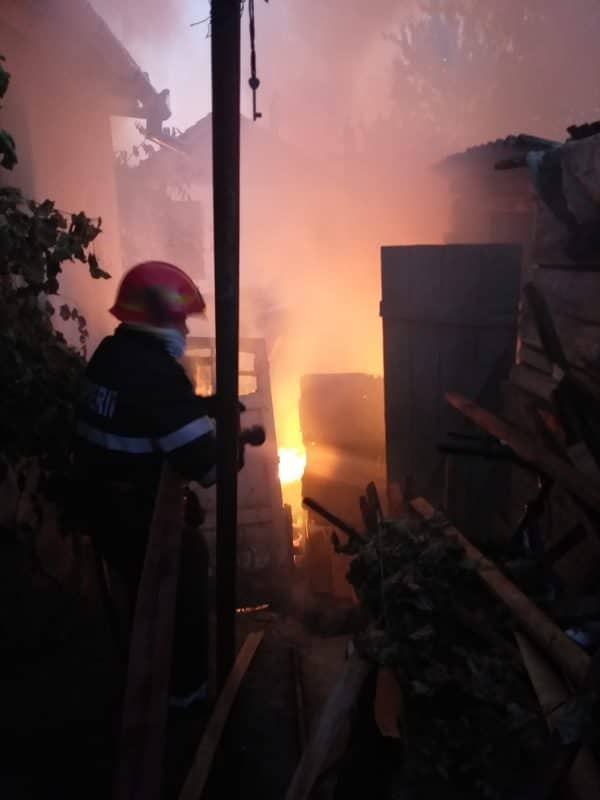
point(175, 55)
point(367, 94)
point(485, 66)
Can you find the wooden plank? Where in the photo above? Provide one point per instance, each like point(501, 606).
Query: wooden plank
point(139, 772)
point(553, 349)
point(458, 353)
point(486, 485)
point(532, 357)
point(564, 652)
point(583, 780)
point(448, 312)
point(424, 459)
point(545, 326)
point(198, 774)
point(581, 341)
point(564, 546)
point(574, 394)
point(571, 295)
point(533, 382)
point(530, 450)
point(331, 724)
point(397, 351)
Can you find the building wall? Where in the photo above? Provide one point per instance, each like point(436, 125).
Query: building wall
point(490, 207)
point(62, 130)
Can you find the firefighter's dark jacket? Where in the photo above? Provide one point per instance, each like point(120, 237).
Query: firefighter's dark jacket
point(138, 407)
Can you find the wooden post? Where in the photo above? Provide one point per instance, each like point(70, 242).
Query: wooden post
point(225, 53)
point(563, 651)
point(139, 771)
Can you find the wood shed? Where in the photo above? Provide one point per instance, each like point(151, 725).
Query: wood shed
point(558, 348)
point(449, 320)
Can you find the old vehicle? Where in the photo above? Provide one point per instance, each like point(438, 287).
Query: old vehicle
point(264, 523)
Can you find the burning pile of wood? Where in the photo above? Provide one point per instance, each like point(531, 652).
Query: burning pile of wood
point(466, 703)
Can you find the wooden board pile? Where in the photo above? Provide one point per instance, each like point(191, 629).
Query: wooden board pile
point(469, 720)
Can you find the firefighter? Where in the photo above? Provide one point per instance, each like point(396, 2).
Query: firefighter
point(137, 408)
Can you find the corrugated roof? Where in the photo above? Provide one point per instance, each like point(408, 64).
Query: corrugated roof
point(81, 39)
point(486, 155)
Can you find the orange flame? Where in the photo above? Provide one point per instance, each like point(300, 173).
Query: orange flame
point(292, 463)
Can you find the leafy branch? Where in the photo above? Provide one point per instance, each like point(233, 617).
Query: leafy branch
point(8, 152)
point(39, 370)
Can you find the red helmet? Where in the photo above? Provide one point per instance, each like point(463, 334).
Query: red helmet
point(157, 293)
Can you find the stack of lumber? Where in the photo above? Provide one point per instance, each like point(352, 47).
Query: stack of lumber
point(570, 292)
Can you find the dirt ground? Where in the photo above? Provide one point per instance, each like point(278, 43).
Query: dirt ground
point(60, 685)
point(262, 742)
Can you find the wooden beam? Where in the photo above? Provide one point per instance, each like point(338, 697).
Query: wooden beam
point(198, 775)
point(139, 771)
point(525, 446)
point(335, 715)
point(565, 653)
point(545, 327)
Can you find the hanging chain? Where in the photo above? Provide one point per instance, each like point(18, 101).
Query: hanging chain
point(254, 82)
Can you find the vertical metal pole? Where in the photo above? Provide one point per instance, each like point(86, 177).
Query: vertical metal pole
point(225, 53)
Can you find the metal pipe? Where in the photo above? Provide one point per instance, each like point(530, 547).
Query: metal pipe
point(225, 59)
point(334, 520)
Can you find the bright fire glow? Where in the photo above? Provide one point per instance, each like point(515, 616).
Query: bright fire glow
point(292, 462)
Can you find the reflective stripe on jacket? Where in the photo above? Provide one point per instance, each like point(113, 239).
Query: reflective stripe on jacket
point(137, 406)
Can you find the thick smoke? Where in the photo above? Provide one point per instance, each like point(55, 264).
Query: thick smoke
point(160, 37)
point(143, 23)
point(330, 44)
point(359, 100)
point(373, 94)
